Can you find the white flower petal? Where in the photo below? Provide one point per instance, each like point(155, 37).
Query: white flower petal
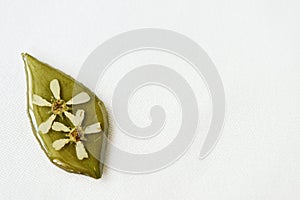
point(55, 89)
point(80, 151)
point(71, 117)
point(79, 98)
point(45, 126)
point(58, 144)
point(79, 117)
point(94, 128)
point(57, 126)
point(37, 100)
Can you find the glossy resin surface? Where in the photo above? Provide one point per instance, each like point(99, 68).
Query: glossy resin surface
point(91, 111)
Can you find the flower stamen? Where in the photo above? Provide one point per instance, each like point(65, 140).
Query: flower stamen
point(76, 134)
point(59, 106)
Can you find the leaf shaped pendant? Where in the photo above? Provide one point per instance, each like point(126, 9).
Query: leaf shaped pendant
point(68, 119)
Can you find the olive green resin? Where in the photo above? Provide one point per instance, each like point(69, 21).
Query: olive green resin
point(39, 76)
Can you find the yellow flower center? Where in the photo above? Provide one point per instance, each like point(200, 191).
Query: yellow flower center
point(59, 106)
point(76, 134)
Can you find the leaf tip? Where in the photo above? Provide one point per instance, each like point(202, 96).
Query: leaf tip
point(25, 57)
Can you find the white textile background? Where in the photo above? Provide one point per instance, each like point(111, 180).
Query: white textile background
point(255, 46)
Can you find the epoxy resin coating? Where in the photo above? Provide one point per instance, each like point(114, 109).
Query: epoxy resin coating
point(67, 119)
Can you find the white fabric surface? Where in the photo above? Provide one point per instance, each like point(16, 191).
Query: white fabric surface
point(255, 46)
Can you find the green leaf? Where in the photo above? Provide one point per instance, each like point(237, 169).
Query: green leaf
point(39, 76)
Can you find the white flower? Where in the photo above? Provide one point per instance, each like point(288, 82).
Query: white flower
point(58, 106)
point(75, 134)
